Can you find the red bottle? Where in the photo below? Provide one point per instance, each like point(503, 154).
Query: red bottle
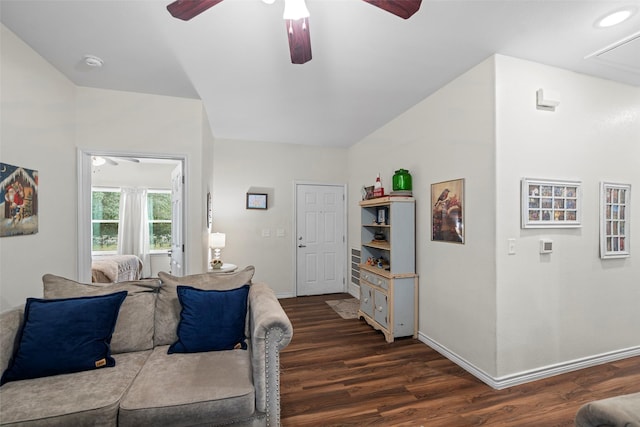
point(378, 191)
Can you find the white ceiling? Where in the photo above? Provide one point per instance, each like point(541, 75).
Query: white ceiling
point(368, 66)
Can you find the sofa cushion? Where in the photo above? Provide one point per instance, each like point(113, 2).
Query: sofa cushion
point(615, 411)
point(89, 398)
point(10, 326)
point(211, 320)
point(65, 335)
point(134, 328)
point(168, 307)
point(190, 389)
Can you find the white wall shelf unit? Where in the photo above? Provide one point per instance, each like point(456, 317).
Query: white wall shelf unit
point(388, 280)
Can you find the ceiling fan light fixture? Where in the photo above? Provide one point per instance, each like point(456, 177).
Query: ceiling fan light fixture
point(295, 9)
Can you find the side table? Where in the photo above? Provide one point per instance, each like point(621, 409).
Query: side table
point(226, 268)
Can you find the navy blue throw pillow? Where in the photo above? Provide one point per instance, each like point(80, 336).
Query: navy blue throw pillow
point(211, 320)
point(62, 336)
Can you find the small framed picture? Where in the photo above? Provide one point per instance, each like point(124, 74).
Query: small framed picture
point(382, 216)
point(256, 201)
point(368, 193)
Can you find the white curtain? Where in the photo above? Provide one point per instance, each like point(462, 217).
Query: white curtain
point(133, 233)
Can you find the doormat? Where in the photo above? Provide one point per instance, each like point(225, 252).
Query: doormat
point(346, 308)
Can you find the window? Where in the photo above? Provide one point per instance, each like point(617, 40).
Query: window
point(159, 207)
point(105, 211)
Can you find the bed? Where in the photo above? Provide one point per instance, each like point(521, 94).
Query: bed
point(115, 268)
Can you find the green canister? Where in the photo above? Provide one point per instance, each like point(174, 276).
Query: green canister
point(402, 180)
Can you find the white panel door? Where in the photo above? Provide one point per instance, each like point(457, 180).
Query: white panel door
point(320, 239)
point(177, 241)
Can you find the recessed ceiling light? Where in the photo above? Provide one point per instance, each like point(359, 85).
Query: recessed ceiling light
point(615, 18)
point(93, 61)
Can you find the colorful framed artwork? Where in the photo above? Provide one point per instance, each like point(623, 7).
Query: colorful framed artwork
point(615, 213)
point(551, 203)
point(256, 201)
point(447, 211)
point(18, 200)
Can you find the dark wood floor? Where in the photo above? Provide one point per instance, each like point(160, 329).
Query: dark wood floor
point(339, 372)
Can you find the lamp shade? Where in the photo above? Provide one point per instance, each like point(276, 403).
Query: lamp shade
point(217, 240)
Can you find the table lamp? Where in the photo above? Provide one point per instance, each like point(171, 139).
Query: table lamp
point(216, 242)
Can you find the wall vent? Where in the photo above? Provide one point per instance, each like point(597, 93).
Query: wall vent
point(355, 266)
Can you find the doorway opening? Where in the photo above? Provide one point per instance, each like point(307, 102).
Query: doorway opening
point(114, 187)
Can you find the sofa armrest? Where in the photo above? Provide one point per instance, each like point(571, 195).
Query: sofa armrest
point(271, 331)
point(616, 411)
point(10, 326)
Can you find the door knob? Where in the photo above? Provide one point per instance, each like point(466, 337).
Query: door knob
point(302, 246)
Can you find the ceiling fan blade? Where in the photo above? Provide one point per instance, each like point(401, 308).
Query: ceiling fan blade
point(402, 8)
point(187, 9)
point(299, 40)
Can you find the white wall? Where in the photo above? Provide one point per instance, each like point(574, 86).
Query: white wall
point(127, 122)
point(514, 318)
point(449, 135)
point(207, 179)
point(569, 304)
point(37, 132)
point(239, 166)
point(43, 119)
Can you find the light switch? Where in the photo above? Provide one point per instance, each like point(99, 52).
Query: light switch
point(511, 243)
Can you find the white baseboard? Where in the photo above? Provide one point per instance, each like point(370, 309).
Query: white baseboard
point(281, 295)
point(523, 377)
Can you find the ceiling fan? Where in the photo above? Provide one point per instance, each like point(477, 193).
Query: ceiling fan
point(296, 16)
point(101, 160)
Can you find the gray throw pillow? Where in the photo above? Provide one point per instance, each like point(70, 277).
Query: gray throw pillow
point(135, 325)
point(168, 306)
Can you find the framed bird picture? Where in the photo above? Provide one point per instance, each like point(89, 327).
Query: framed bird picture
point(447, 211)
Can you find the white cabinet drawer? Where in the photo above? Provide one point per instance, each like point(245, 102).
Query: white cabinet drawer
point(375, 280)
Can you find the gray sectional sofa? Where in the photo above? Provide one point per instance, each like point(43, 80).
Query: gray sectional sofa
point(617, 411)
point(147, 386)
